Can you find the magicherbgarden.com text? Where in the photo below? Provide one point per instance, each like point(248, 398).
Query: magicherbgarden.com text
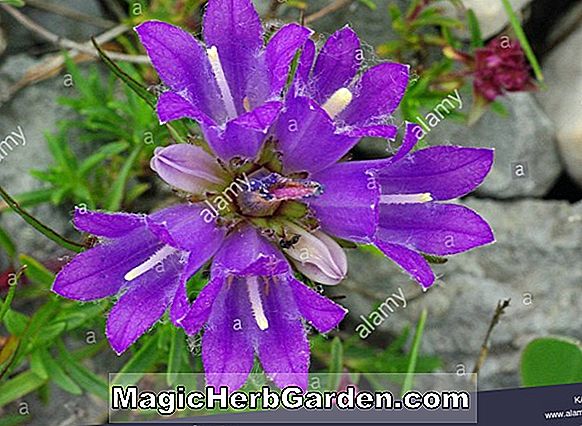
point(167, 402)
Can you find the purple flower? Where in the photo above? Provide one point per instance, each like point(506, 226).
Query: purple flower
point(273, 196)
point(253, 304)
point(231, 85)
point(411, 221)
point(138, 260)
point(360, 106)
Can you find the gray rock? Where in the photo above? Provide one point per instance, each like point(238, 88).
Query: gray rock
point(561, 100)
point(535, 262)
point(527, 163)
point(21, 39)
point(373, 27)
point(490, 14)
point(34, 111)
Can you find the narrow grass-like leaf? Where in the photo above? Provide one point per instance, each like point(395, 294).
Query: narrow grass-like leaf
point(115, 197)
point(58, 375)
point(7, 244)
point(7, 302)
point(133, 84)
point(336, 364)
point(36, 272)
point(39, 226)
point(175, 356)
point(409, 379)
point(88, 380)
point(474, 29)
point(19, 386)
point(38, 365)
point(139, 364)
point(514, 21)
point(14, 420)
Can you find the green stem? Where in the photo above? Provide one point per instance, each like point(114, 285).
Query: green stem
point(39, 226)
point(409, 379)
point(514, 21)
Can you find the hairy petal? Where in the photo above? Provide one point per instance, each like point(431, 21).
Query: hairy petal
point(283, 347)
point(445, 172)
point(348, 207)
point(409, 260)
point(227, 349)
point(246, 252)
point(172, 106)
point(433, 228)
point(144, 303)
point(280, 52)
point(108, 225)
point(200, 310)
point(306, 137)
point(183, 66)
point(244, 136)
point(337, 63)
point(377, 94)
point(234, 27)
point(315, 308)
point(99, 272)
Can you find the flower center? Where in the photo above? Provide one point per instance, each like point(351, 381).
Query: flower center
point(216, 65)
point(268, 190)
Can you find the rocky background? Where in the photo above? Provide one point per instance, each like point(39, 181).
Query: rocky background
point(537, 218)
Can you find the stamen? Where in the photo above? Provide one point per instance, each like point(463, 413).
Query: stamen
point(256, 303)
point(214, 59)
point(423, 197)
point(151, 263)
point(338, 102)
point(247, 104)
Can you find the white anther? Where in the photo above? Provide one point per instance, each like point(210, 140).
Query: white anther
point(338, 102)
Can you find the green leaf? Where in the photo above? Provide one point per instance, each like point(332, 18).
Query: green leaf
point(474, 29)
point(133, 84)
point(336, 364)
point(88, 380)
point(14, 420)
point(36, 272)
point(551, 361)
point(15, 322)
point(7, 244)
point(370, 4)
point(31, 198)
point(139, 364)
point(498, 108)
point(176, 355)
point(37, 364)
point(101, 155)
point(19, 386)
point(514, 21)
point(59, 376)
point(39, 226)
point(8, 301)
point(414, 352)
point(16, 3)
point(115, 197)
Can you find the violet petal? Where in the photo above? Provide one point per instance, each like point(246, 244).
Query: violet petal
point(433, 228)
point(409, 260)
